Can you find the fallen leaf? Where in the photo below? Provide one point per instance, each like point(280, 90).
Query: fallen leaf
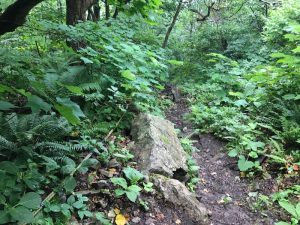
point(296, 167)
point(117, 211)
point(120, 220)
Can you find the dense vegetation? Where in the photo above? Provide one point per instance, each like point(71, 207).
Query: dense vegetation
point(70, 87)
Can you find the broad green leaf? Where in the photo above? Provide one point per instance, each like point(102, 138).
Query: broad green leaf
point(70, 184)
point(233, 153)
point(4, 217)
point(133, 175)
point(9, 167)
point(119, 192)
point(282, 223)
point(69, 109)
point(4, 105)
point(72, 105)
point(101, 217)
point(86, 60)
point(175, 62)
point(31, 200)
point(132, 195)
point(4, 88)
point(288, 207)
point(119, 181)
point(298, 210)
point(241, 102)
point(128, 75)
point(134, 188)
point(78, 204)
point(36, 104)
point(21, 214)
point(244, 164)
point(74, 89)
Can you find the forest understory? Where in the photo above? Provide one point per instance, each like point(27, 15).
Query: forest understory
point(75, 74)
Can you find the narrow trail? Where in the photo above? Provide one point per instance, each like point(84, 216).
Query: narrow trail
point(220, 182)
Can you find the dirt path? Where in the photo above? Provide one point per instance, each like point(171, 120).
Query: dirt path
point(221, 189)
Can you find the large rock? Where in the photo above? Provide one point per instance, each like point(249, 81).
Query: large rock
point(175, 192)
point(157, 148)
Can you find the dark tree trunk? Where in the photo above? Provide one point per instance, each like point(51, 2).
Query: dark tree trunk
point(172, 24)
point(76, 10)
point(107, 12)
point(15, 15)
point(116, 13)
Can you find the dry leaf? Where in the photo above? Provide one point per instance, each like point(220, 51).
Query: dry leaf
point(117, 211)
point(120, 220)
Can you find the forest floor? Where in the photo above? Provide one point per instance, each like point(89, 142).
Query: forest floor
point(221, 189)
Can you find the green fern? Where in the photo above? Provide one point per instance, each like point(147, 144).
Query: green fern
point(33, 134)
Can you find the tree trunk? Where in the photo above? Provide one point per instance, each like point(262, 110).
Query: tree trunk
point(76, 10)
point(107, 12)
point(15, 15)
point(172, 24)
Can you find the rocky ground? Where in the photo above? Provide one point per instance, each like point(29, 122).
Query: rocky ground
point(221, 189)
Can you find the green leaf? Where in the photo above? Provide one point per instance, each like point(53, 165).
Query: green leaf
point(133, 175)
point(101, 217)
point(244, 165)
point(175, 62)
point(119, 181)
point(4, 88)
point(86, 60)
point(72, 105)
point(119, 192)
point(128, 75)
point(78, 204)
point(298, 210)
point(31, 200)
point(4, 217)
point(134, 188)
point(233, 153)
point(67, 113)
point(70, 184)
point(36, 104)
point(288, 207)
point(21, 214)
point(74, 89)
point(241, 102)
point(253, 154)
point(9, 167)
point(132, 195)
point(282, 223)
point(4, 105)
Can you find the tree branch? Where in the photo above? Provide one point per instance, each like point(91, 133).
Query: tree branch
point(15, 15)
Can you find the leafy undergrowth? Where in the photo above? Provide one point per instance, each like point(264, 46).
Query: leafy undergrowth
point(256, 111)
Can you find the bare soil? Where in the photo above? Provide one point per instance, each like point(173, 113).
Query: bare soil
point(221, 189)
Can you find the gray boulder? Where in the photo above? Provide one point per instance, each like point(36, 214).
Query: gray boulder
point(175, 192)
point(157, 148)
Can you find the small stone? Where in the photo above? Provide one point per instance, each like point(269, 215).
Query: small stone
point(106, 173)
point(102, 184)
point(150, 221)
point(113, 163)
point(136, 219)
point(178, 221)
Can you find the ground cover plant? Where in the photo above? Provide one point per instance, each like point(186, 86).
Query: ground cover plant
point(73, 74)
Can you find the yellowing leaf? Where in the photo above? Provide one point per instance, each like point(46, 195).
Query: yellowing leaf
point(120, 220)
point(117, 211)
